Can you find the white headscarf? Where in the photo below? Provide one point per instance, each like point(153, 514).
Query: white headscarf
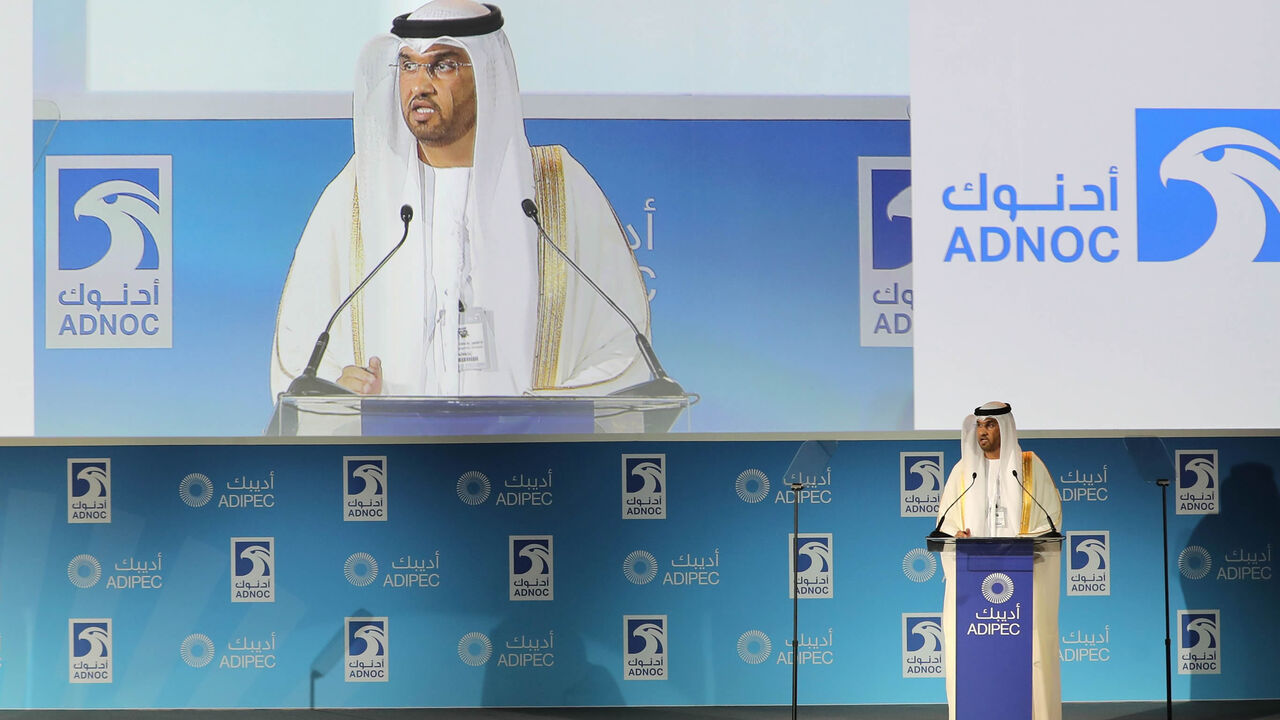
point(979, 501)
point(503, 242)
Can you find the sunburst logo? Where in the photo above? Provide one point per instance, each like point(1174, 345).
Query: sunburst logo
point(196, 650)
point(360, 569)
point(752, 486)
point(473, 487)
point(919, 565)
point(640, 567)
point(196, 490)
point(475, 649)
point(997, 588)
point(1194, 562)
point(754, 647)
point(84, 571)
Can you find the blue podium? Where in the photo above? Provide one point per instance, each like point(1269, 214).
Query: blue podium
point(994, 623)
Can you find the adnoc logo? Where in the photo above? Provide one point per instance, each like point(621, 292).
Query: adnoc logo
point(88, 490)
point(1089, 563)
point(364, 488)
point(1199, 642)
point(644, 641)
point(813, 564)
point(367, 639)
point(109, 251)
point(644, 487)
point(1208, 185)
point(922, 648)
point(531, 567)
point(90, 656)
point(920, 476)
point(884, 251)
point(1197, 487)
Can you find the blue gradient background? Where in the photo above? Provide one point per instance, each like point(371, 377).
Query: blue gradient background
point(591, 593)
point(755, 256)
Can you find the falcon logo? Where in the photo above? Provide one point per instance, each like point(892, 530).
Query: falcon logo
point(1197, 488)
point(884, 251)
point(108, 251)
point(920, 475)
point(531, 565)
point(88, 490)
point(367, 657)
point(129, 212)
point(90, 654)
point(1199, 642)
point(1212, 188)
point(364, 488)
point(813, 564)
point(253, 569)
point(922, 645)
point(1089, 563)
point(644, 487)
point(644, 642)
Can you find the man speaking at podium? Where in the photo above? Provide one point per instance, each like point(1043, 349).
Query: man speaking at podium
point(992, 482)
point(473, 303)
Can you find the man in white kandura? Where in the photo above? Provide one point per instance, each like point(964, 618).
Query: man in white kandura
point(473, 304)
point(996, 505)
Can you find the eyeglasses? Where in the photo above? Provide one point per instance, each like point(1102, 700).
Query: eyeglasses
point(438, 70)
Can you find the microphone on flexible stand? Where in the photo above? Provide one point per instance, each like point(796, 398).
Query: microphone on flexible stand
point(661, 385)
point(307, 383)
point(1053, 530)
point(937, 531)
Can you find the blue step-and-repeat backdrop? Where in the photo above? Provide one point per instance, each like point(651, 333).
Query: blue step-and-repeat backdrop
point(593, 573)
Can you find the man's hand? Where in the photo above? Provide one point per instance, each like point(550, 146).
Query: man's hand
point(963, 533)
point(361, 380)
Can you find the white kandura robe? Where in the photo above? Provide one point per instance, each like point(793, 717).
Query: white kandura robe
point(971, 513)
point(596, 354)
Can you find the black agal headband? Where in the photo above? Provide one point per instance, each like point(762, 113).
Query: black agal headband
point(403, 27)
point(993, 411)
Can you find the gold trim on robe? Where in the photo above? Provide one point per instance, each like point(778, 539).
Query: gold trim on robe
point(357, 273)
point(548, 182)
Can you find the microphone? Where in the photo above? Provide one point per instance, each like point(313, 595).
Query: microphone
point(307, 383)
point(937, 532)
point(661, 385)
point(1053, 530)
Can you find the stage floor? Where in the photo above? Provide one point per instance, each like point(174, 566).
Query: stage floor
point(1200, 710)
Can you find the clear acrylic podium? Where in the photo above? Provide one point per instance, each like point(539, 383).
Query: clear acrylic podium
point(405, 416)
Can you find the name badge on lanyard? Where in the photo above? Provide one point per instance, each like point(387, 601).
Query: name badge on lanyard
point(475, 340)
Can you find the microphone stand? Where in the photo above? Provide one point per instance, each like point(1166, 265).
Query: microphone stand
point(1168, 658)
point(661, 385)
point(795, 594)
point(308, 384)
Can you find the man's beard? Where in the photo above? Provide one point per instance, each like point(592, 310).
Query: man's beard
point(446, 132)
